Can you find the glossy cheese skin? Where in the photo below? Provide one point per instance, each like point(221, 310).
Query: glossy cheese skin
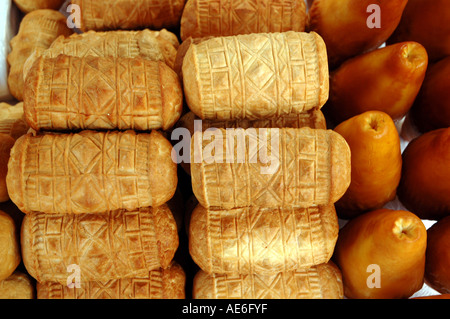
point(101, 93)
point(129, 14)
point(256, 76)
point(161, 283)
point(259, 240)
point(91, 172)
point(307, 167)
point(202, 18)
point(318, 282)
point(115, 245)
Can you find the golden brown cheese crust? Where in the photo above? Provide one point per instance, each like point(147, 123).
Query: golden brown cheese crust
point(17, 286)
point(312, 119)
point(202, 18)
point(91, 172)
point(37, 31)
point(260, 240)
point(12, 120)
point(162, 283)
point(181, 52)
point(256, 76)
point(129, 14)
point(153, 45)
point(313, 169)
point(6, 143)
point(27, 6)
point(9, 246)
point(120, 244)
point(101, 93)
point(318, 282)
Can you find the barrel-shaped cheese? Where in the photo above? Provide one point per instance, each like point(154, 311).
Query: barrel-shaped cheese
point(269, 167)
point(71, 248)
point(38, 29)
point(18, 286)
point(91, 172)
point(9, 246)
point(262, 240)
point(256, 76)
point(152, 45)
point(101, 93)
point(202, 18)
point(313, 119)
point(129, 14)
point(318, 282)
point(12, 120)
point(161, 283)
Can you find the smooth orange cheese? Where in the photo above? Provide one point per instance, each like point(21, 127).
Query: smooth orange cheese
point(376, 162)
point(387, 80)
point(437, 267)
point(344, 27)
point(424, 186)
point(382, 255)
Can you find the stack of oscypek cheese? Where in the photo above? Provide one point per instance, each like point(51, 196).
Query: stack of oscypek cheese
point(265, 225)
point(95, 177)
